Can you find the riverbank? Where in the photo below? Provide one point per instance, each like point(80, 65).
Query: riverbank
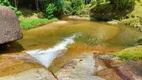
point(32, 19)
point(33, 23)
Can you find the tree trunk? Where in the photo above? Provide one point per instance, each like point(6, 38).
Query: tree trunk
point(37, 5)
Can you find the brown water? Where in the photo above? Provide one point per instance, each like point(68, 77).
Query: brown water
point(96, 37)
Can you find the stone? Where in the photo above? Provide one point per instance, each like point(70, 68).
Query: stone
point(107, 57)
point(104, 71)
point(131, 70)
point(78, 18)
point(33, 74)
point(9, 26)
point(113, 22)
point(81, 68)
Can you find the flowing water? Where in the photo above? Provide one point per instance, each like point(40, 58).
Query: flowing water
point(45, 57)
point(95, 37)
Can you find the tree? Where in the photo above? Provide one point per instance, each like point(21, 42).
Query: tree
point(57, 8)
point(76, 6)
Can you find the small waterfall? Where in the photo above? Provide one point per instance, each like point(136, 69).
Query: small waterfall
point(45, 57)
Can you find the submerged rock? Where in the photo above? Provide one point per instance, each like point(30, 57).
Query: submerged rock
point(9, 26)
point(33, 74)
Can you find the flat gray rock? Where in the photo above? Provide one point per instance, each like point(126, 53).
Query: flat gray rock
point(81, 68)
point(34, 74)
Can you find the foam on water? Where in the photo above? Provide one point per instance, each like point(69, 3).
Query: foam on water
point(45, 57)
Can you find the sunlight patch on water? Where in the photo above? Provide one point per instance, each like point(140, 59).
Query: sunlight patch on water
point(45, 57)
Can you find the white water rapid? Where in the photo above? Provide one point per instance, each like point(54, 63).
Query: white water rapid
point(45, 57)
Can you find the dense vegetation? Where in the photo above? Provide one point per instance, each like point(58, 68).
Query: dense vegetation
point(97, 9)
point(112, 9)
point(127, 12)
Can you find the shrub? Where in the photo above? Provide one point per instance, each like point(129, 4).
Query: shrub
point(59, 7)
point(114, 9)
point(134, 22)
point(67, 9)
point(6, 3)
point(122, 4)
point(76, 5)
point(103, 12)
point(133, 53)
point(50, 10)
point(53, 8)
point(134, 18)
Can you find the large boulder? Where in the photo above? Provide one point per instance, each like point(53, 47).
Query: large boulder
point(9, 26)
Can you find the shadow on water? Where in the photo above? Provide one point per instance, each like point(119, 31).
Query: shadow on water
point(12, 47)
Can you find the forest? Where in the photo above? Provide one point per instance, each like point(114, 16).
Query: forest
point(71, 39)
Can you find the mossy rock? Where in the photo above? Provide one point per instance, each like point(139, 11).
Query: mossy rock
point(133, 53)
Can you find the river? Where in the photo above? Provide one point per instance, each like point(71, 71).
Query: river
point(95, 37)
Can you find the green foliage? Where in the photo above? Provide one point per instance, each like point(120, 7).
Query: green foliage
point(122, 4)
point(67, 9)
point(73, 7)
point(104, 12)
point(85, 11)
point(50, 10)
point(133, 53)
point(6, 3)
point(114, 9)
point(93, 2)
point(134, 22)
point(134, 19)
point(98, 2)
point(28, 24)
point(76, 5)
point(53, 8)
point(59, 5)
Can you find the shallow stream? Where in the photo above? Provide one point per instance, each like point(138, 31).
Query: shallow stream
point(95, 37)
